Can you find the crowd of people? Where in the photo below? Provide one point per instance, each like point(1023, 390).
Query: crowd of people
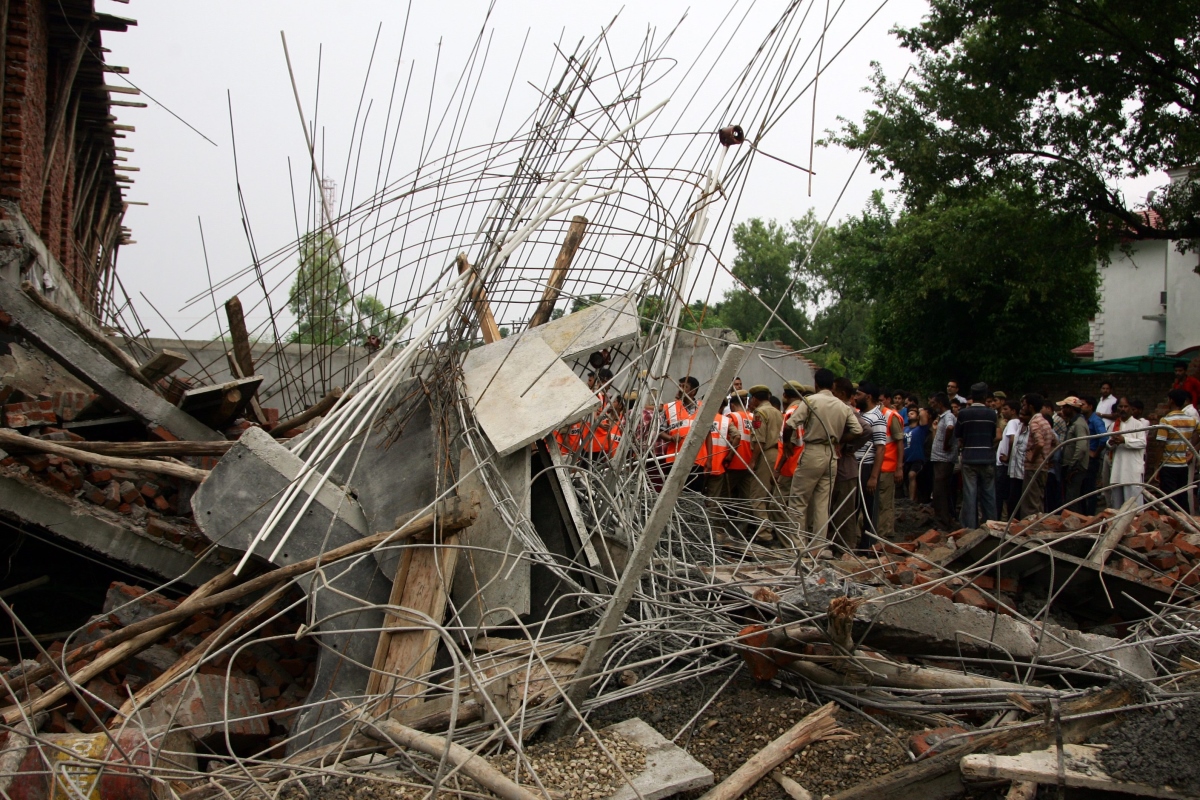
point(826, 462)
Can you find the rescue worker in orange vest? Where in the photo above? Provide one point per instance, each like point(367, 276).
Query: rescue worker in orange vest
point(678, 417)
point(723, 441)
point(822, 418)
point(892, 470)
point(739, 471)
point(790, 450)
point(616, 421)
point(595, 434)
point(767, 425)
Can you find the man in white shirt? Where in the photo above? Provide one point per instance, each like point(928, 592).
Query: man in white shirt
point(1012, 428)
point(1106, 406)
point(1127, 453)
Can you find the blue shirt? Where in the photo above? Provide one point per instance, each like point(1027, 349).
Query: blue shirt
point(1096, 425)
point(914, 443)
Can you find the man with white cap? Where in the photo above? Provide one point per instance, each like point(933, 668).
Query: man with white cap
point(1075, 456)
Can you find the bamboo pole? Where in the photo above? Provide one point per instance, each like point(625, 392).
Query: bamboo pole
point(19, 441)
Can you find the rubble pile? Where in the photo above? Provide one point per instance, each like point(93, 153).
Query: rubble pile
point(409, 583)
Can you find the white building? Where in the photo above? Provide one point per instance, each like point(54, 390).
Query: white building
point(1149, 300)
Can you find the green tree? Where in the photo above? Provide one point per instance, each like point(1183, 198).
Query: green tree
point(992, 288)
point(323, 303)
point(768, 255)
point(1058, 97)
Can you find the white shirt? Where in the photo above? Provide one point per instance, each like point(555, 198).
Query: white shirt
point(1012, 428)
point(1191, 411)
point(1016, 461)
point(1129, 459)
point(1105, 405)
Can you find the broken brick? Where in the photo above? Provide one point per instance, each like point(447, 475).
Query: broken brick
point(931, 536)
point(972, 597)
point(928, 741)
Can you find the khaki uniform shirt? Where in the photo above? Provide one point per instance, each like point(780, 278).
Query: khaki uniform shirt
point(769, 422)
point(824, 418)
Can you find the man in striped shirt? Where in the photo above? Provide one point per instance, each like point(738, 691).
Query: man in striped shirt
point(870, 455)
point(1177, 452)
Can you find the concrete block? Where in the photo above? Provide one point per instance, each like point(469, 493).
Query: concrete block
point(491, 580)
point(935, 625)
point(520, 391)
point(669, 769)
point(206, 704)
point(613, 321)
point(239, 494)
point(232, 504)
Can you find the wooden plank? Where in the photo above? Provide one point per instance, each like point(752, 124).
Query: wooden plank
point(558, 275)
point(162, 364)
point(219, 405)
point(483, 310)
point(422, 585)
point(1081, 769)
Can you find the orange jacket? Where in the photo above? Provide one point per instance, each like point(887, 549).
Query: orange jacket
point(891, 452)
point(744, 453)
point(786, 467)
point(679, 422)
point(718, 445)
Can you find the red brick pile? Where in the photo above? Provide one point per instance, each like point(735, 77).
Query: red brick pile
point(1159, 547)
point(153, 500)
point(272, 675)
point(908, 564)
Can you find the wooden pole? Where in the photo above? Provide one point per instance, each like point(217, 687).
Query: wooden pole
point(451, 515)
point(558, 275)
point(816, 725)
point(643, 552)
point(1112, 537)
point(243, 357)
point(470, 764)
point(150, 449)
point(18, 441)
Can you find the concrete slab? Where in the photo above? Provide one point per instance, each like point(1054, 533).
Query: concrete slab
point(86, 363)
point(669, 768)
point(594, 328)
point(934, 625)
point(491, 580)
point(99, 530)
point(520, 391)
point(240, 493)
point(235, 500)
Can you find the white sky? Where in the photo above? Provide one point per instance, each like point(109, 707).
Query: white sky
point(188, 57)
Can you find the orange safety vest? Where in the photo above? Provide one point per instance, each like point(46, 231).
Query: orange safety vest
point(891, 452)
point(744, 453)
point(679, 422)
point(570, 444)
point(787, 467)
point(718, 445)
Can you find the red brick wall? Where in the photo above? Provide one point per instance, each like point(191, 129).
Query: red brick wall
point(32, 83)
point(1151, 387)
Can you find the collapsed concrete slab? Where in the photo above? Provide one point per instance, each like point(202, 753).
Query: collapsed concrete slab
point(669, 768)
point(607, 323)
point(85, 362)
point(520, 391)
point(492, 580)
point(231, 506)
point(99, 530)
point(929, 624)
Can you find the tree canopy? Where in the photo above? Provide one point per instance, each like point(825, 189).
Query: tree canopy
point(326, 310)
point(1062, 98)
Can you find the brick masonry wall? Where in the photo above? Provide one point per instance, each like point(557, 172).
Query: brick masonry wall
point(1151, 387)
point(32, 83)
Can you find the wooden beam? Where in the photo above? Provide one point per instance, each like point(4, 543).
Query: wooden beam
point(404, 654)
point(483, 311)
point(318, 409)
point(558, 275)
point(243, 357)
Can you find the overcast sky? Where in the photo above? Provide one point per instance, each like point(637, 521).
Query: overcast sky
point(203, 63)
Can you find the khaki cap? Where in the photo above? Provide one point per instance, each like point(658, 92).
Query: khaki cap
point(796, 386)
point(759, 387)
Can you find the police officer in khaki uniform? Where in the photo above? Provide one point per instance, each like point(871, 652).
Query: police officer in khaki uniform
point(823, 418)
point(768, 422)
